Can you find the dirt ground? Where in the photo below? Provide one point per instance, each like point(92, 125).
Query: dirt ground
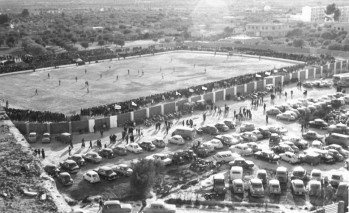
point(57, 152)
point(177, 69)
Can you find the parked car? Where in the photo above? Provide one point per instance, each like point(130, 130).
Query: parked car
point(241, 149)
point(247, 127)
point(342, 191)
point(122, 170)
point(311, 135)
point(51, 170)
point(112, 206)
point(258, 134)
point(106, 153)
point(318, 124)
point(340, 149)
point(69, 166)
point(246, 164)
point(254, 146)
point(267, 155)
point(292, 145)
point(281, 174)
point(249, 137)
point(120, 150)
point(209, 129)
point(78, 159)
point(282, 148)
point(164, 158)
point(337, 139)
point(336, 179)
point(159, 142)
point(273, 111)
point(290, 157)
point(185, 132)
point(217, 144)
point(310, 157)
point(314, 188)
point(176, 139)
point(32, 138)
point(227, 139)
point(238, 186)
point(91, 176)
point(299, 173)
point(147, 146)
point(256, 188)
point(274, 139)
point(46, 138)
point(159, 207)
point(265, 131)
point(300, 143)
point(274, 187)
point(223, 157)
point(278, 130)
point(236, 172)
point(221, 127)
point(286, 116)
point(230, 124)
point(237, 136)
point(134, 147)
point(92, 157)
point(297, 187)
point(65, 179)
point(316, 174)
point(262, 174)
point(335, 154)
point(106, 172)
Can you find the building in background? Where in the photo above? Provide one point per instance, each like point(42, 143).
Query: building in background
point(317, 14)
point(267, 29)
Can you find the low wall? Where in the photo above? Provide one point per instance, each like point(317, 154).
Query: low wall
point(57, 128)
point(169, 108)
point(219, 96)
point(140, 114)
point(78, 126)
point(209, 96)
point(156, 110)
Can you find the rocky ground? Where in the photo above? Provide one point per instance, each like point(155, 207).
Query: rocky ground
point(23, 185)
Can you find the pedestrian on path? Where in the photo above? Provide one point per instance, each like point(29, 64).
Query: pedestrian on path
point(90, 145)
point(43, 154)
point(69, 150)
point(83, 143)
point(36, 92)
point(266, 118)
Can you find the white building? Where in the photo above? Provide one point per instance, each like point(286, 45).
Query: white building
point(267, 29)
point(317, 14)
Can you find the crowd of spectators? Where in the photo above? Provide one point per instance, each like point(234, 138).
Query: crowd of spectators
point(135, 104)
point(38, 116)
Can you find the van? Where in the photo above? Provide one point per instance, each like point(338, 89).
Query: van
point(223, 157)
point(185, 132)
point(236, 172)
point(32, 137)
point(336, 138)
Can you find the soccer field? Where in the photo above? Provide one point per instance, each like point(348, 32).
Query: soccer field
point(164, 72)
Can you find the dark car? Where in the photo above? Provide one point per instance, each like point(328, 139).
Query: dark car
point(106, 153)
point(147, 146)
point(65, 179)
point(246, 164)
point(318, 123)
point(267, 155)
point(211, 130)
point(265, 132)
point(52, 170)
point(230, 124)
point(106, 173)
point(78, 159)
point(69, 166)
point(120, 151)
point(282, 148)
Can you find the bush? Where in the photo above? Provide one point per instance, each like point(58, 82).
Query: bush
point(335, 47)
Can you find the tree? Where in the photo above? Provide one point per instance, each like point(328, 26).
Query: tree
point(335, 47)
point(74, 40)
point(295, 33)
point(332, 9)
point(84, 44)
point(25, 13)
point(10, 41)
point(143, 177)
point(120, 42)
point(298, 43)
point(101, 42)
point(4, 18)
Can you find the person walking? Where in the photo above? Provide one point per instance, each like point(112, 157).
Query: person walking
point(291, 93)
point(69, 150)
point(43, 154)
point(76, 78)
point(90, 147)
point(101, 133)
point(266, 118)
point(85, 71)
point(264, 107)
point(101, 204)
point(36, 92)
point(59, 82)
point(83, 143)
point(48, 75)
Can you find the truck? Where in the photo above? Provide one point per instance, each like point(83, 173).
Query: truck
point(219, 184)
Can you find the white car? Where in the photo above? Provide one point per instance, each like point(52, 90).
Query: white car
point(92, 177)
point(159, 207)
point(217, 144)
point(249, 136)
point(241, 149)
point(237, 136)
point(273, 111)
point(289, 157)
point(247, 127)
point(286, 116)
point(176, 139)
point(134, 147)
point(46, 138)
point(161, 157)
